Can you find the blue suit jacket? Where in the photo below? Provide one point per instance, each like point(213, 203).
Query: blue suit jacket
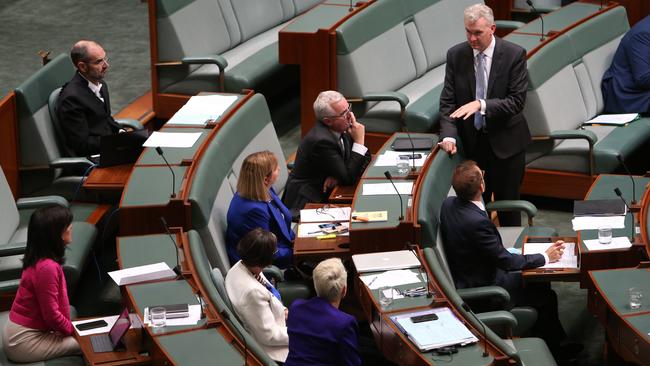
point(320, 334)
point(626, 84)
point(245, 215)
point(474, 250)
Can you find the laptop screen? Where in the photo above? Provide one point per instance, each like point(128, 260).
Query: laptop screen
point(121, 326)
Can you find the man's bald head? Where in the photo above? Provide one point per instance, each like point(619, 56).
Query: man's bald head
point(90, 59)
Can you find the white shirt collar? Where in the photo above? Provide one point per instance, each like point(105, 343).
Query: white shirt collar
point(489, 51)
point(479, 204)
point(95, 88)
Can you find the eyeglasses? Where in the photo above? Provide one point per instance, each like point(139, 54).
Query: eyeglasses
point(324, 210)
point(98, 62)
point(344, 114)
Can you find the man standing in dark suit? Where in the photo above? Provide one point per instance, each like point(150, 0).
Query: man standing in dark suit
point(482, 101)
point(477, 257)
point(626, 84)
point(332, 153)
point(83, 107)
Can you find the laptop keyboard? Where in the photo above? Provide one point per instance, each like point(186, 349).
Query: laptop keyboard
point(101, 343)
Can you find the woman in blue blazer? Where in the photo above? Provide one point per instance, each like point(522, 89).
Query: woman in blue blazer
point(257, 205)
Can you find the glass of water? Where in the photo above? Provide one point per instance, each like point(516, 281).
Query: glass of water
point(605, 234)
point(386, 296)
point(158, 317)
point(402, 163)
point(636, 298)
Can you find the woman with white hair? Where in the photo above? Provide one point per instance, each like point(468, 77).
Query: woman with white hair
point(320, 333)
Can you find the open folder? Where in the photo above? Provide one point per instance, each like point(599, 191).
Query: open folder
point(445, 330)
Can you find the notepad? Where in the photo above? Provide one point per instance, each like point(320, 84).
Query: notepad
point(569, 258)
point(446, 330)
point(149, 272)
point(613, 119)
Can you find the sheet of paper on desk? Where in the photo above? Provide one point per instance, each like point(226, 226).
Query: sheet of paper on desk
point(568, 260)
point(172, 139)
point(149, 272)
point(391, 278)
point(202, 108)
point(619, 242)
point(389, 158)
point(376, 189)
point(613, 119)
point(311, 230)
point(330, 214)
point(192, 319)
point(447, 330)
point(594, 222)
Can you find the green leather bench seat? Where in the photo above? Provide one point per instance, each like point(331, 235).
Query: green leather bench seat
point(564, 92)
point(13, 234)
point(215, 180)
point(399, 46)
point(244, 34)
point(61, 361)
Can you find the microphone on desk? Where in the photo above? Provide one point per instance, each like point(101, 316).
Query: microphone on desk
point(620, 160)
point(401, 203)
point(159, 150)
point(620, 194)
point(177, 269)
point(530, 3)
point(351, 7)
point(469, 310)
point(414, 249)
point(408, 134)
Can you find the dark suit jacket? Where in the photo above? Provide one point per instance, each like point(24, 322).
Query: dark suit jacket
point(320, 334)
point(83, 117)
point(245, 215)
point(474, 250)
point(506, 94)
point(626, 84)
point(319, 156)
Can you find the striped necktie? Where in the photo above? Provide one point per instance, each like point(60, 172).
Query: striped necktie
point(479, 122)
point(268, 286)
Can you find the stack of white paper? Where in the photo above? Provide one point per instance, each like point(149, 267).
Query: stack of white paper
point(172, 139)
point(201, 109)
point(569, 258)
point(621, 242)
point(149, 272)
point(613, 119)
point(391, 278)
point(389, 158)
point(594, 222)
point(377, 189)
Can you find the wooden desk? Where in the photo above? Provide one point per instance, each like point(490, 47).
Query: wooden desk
point(111, 179)
point(554, 274)
point(313, 248)
point(626, 329)
point(130, 356)
point(342, 195)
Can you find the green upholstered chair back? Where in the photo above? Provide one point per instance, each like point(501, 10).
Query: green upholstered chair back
point(10, 216)
point(433, 190)
point(215, 181)
point(37, 136)
point(219, 298)
point(60, 137)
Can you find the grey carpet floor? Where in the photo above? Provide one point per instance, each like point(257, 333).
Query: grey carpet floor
point(27, 26)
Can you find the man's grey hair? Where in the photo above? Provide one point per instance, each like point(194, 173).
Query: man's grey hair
point(79, 52)
point(323, 104)
point(330, 278)
point(474, 12)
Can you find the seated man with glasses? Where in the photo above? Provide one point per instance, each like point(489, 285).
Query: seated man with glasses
point(331, 154)
point(83, 108)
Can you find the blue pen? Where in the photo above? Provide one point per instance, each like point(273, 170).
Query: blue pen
point(371, 281)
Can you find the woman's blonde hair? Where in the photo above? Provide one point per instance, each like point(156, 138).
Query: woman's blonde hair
point(254, 169)
point(330, 278)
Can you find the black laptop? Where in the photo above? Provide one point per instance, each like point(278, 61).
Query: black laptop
point(109, 342)
point(121, 148)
